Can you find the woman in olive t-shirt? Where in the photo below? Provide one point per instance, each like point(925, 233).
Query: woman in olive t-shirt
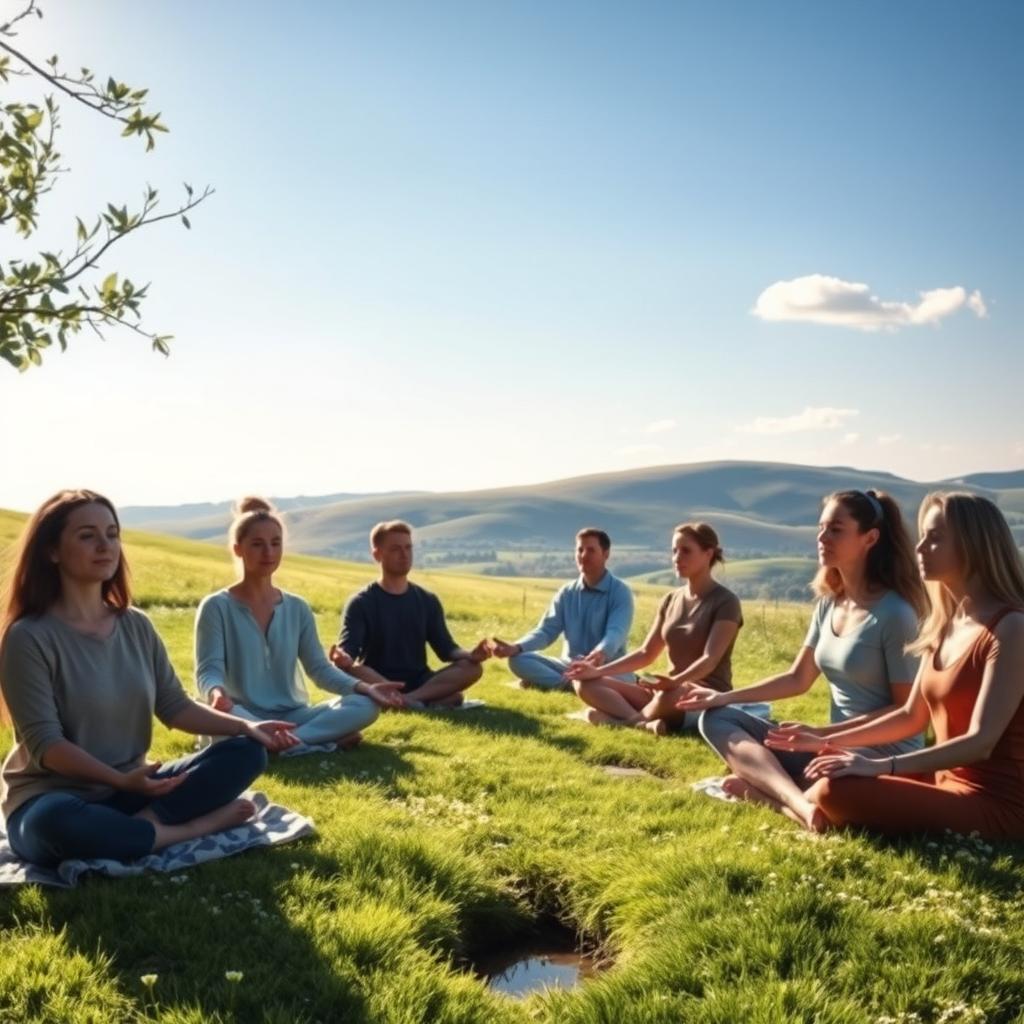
point(82, 674)
point(697, 624)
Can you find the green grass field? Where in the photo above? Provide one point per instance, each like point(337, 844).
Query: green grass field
point(447, 835)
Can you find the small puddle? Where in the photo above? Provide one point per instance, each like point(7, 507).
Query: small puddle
point(548, 959)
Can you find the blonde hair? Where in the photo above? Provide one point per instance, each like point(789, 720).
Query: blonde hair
point(381, 530)
point(890, 560)
point(247, 512)
point(704, 535)
point(987, 552)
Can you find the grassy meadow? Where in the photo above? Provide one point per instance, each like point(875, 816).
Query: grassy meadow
point(447, 835)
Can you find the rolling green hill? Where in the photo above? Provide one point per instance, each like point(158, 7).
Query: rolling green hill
point(759, 509)
point(447, 836)
point(767, 579)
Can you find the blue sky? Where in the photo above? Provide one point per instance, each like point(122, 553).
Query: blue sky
point(457, 245)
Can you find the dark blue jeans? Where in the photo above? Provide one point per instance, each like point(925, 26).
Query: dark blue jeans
point(60, 826)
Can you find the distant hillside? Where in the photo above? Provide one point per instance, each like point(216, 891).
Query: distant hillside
point(780, 579)
point(760, 510)
point(1013, 480)
point(206, 520)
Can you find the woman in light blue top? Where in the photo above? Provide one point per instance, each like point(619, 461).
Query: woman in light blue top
point(870, 603)
point(251, 638)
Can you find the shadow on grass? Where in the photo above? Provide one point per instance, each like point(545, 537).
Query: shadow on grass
point(192, 929)
point(376, 762)
point(971, 856)
point(497, 721)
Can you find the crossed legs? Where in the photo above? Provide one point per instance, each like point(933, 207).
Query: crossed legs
point(444, 688)
point(759, 775)
point(61, 826)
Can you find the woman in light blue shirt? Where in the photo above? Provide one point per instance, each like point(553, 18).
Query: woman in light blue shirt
point(252, 637)
point(870, 603)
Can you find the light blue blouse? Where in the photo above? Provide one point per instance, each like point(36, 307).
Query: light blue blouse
point(861, 665)
point(262, 671)
point(592, 618)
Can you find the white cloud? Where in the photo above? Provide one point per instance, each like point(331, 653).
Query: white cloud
point(887, 439)
point(820, 418)
point(976, 304)
point(659, 426)
point(850, 439)
point(819, 299)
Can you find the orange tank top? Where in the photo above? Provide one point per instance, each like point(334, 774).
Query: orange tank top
point(951, 694)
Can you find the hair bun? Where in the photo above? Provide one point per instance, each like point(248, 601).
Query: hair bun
point(252, 503)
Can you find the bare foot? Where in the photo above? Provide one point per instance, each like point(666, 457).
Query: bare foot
point(595, 717)
point(809, 817)
point(740, 789)
point(235, 813)
point(657, 726)
point(736, 787)
point(229, 816)
point(349, 742)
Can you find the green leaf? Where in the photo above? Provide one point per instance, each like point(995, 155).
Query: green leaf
point(184, 220)
point(109, 286)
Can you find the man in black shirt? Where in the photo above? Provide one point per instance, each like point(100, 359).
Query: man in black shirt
point(386, 626)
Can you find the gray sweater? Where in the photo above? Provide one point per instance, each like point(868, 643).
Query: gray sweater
point(101, 695)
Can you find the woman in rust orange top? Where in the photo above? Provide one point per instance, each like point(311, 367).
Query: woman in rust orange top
point(970, 686)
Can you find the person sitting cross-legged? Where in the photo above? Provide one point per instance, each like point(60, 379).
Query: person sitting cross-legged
point(82, 674)
point(386, 626)
point(252, 637)
point(697, 623)
point(969, 689)
point(870, 598)
point(593, 613)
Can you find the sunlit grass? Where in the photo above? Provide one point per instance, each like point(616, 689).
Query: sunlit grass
point(444, 834)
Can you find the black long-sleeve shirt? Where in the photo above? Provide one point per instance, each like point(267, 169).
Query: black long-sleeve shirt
point(389, 632)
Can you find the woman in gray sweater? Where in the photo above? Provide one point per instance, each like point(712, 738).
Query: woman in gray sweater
point(82, 674)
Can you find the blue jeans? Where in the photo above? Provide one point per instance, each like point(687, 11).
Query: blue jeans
point(61, 826)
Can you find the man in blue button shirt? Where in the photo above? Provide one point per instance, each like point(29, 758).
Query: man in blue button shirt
point(593, 613)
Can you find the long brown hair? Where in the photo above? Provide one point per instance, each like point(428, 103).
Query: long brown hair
point(34, 581)
point(986, 550)
point(33, 584)
point(890, 561)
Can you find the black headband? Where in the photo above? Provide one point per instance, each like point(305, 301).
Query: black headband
point(876, 506)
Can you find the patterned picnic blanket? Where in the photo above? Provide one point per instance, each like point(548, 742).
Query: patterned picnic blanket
point(272, 824)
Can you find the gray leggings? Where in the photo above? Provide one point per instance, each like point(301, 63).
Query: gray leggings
point(722, 726)
point(321, 723)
